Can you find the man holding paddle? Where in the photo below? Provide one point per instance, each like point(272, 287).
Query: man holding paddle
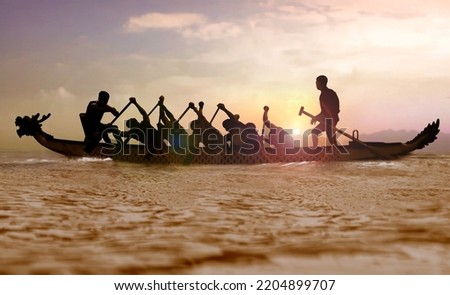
point(243, 138)
point(171, 129)
point(142, 131)
point(93, 128)
point(328, 118)
point(329, 110)
point(276, 136)
point(204, 132)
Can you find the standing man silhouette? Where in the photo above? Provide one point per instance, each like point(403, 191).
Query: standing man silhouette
point(329, 110)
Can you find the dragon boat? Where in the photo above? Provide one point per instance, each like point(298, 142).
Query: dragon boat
point(354, 150)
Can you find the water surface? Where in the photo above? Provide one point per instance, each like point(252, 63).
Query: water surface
point(88, 216)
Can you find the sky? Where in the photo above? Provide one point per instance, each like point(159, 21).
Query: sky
point(389, 61)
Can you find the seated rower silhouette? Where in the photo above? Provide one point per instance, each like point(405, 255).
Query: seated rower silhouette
point(277, 136)
point(94, 129)
point(142, 131)
point(171, 130)
point(243, 138)
point(203, 132)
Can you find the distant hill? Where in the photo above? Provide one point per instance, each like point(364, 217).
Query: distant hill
point(440, 145)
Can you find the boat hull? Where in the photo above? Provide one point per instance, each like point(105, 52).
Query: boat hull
point(138, 153)
point(355, 150)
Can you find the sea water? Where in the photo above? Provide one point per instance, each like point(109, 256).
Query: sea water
point(90, 216)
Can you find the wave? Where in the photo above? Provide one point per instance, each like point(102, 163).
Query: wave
point(92, 159)
point(28, 161)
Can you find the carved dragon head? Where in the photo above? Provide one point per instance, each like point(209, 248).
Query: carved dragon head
point(29, 125)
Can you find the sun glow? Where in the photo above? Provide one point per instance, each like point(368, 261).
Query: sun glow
point(296, 131)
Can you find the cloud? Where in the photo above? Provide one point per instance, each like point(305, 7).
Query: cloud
point(58, 94)
point(399, 8)
point(189, 25)
point(163, 21)
point(213, 31)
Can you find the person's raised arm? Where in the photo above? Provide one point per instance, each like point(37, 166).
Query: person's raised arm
point(266, 117)
point(104, 109)
point(197, 111)
point(169, 114)
point(163, 116)
point(223, 108)
point(140, 109)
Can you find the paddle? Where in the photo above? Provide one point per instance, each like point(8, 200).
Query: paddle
point(201, 117)
point(214, 116)
point(161, 100)
point(203, 122)
point(177, 120)
point(371, 149)
point(120, 113)
point(185, 111)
